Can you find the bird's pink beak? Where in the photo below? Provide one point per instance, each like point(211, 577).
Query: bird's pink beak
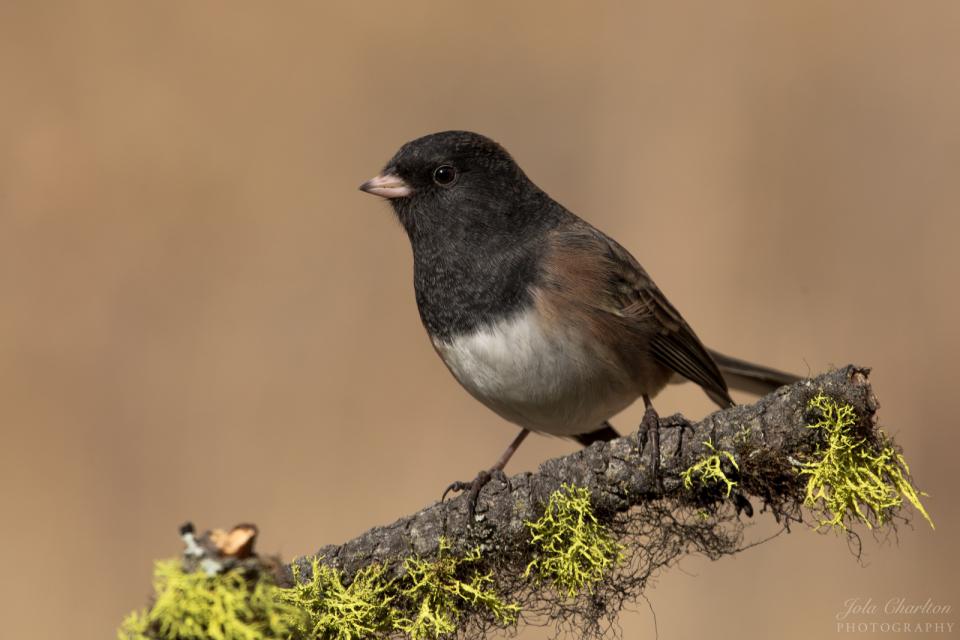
point(387, 185)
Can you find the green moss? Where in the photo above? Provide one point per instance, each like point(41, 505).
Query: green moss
point(332, 611)
point(195, 606)
point(440, 589)
point(709, 470)
point(573, 550)
point(850, 478)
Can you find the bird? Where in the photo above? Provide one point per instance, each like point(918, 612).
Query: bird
point(538, 314)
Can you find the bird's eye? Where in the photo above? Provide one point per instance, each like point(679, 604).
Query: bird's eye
point(444, 175)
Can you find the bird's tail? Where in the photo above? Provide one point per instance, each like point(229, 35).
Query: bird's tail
point(749, 377)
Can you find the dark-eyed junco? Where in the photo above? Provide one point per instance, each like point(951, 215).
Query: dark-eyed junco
point(540, 316)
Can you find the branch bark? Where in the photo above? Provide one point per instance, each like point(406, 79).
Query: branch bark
point(767, 437)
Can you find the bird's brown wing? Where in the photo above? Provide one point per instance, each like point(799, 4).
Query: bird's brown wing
point(622, 287)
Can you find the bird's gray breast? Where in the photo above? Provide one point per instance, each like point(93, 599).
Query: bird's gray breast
point(542, 377)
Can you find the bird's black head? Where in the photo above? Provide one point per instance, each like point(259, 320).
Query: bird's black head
point(459, 185)
point(476, 224)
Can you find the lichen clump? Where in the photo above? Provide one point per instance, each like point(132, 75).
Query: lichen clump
point(851, 477)
point(573, 550)
point(439, 591)
point(195, 606)
point(426, 602)
point(331, 610)
point(134, 626)
point(709, 470)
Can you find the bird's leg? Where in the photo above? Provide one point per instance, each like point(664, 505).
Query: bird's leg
point(484, 476)
point(650, 428)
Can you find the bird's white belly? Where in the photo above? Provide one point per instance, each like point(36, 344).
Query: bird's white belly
point(544, 380)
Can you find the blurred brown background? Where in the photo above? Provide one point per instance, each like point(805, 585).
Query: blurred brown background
point(201, 318)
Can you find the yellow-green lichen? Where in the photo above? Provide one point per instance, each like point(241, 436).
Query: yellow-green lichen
point(850, 478)
point(332, 611)
point(195, 606)
point(134, 626)
point(427, 601)
point(709, 470)
point(573, 550)
point(439, 593)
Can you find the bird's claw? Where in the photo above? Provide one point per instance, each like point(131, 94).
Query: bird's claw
point(677, 421)
point(474, 486)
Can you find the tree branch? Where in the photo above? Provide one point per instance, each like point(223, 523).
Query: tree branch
point(617, 473)
point(783, 453)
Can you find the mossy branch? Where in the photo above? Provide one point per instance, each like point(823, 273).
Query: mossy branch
point(769, 438)
point(575, 541)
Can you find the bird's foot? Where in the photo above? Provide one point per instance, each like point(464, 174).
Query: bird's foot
point(474, 486)
point(650, 431)
point(677, 421)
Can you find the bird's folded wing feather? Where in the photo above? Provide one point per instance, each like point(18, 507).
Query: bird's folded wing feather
point(624, 288)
